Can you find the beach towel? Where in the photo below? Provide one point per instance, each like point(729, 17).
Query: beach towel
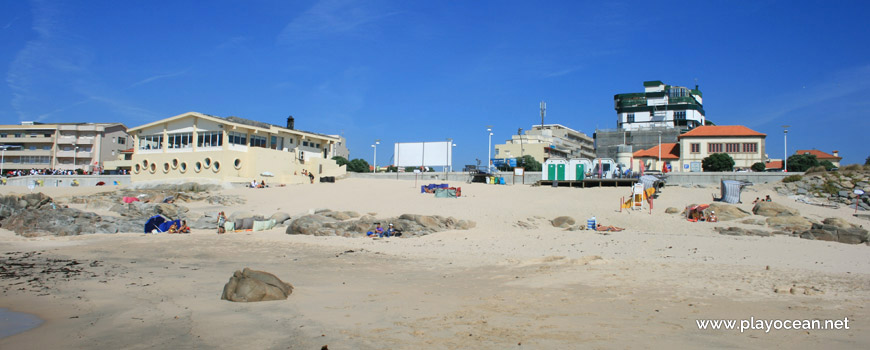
point(129, 200)
point(229, 226)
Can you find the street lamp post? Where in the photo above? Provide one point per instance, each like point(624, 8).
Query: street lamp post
point(785, 148)
point(489, 150)
point(660, 149)
point(3, 156)
point(451, 155)
point(375, 162)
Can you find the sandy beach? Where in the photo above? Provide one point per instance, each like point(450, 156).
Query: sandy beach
point(499, 285)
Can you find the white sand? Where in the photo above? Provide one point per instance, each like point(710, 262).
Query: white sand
point(495, 286)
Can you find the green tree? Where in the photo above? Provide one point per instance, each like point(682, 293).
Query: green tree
point(759, 167)
point(410, 169)
point(529, 163)
point(827, 164)
point(392, 169)
point(867, 162)
point(340, 160)
point(718, 162)
point(358, 166)
point(707, 122)
point(802, 162)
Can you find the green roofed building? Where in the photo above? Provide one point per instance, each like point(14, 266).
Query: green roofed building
point(659, 106)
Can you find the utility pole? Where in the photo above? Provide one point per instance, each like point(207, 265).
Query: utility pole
point(543, 113)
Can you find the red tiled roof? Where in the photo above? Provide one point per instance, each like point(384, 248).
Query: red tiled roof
point(819, 154)
point(721, 130)
point(774, 164)
point(669, 151)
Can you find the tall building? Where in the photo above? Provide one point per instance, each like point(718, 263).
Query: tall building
point(659, 106)
point(61, 146)
point(231, 149)
point(542, 143)
point(644, 119)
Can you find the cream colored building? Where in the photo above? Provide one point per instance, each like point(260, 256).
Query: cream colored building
point(744, 145)
point(61, 146)
point(196, 145)
point(549, 141)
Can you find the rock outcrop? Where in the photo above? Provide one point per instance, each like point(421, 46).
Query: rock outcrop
point(324, 223)
point(252, 285)
point(771, 209)
point(727, 212)
point(833, 188)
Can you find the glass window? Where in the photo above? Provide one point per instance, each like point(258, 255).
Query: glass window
point(151, 142)
point(630, 118)
point(732, 147)
point(209, 139)
point(237, 138)
point(714, 148)
point(258, 141)
point(122, 140)
point(750, 147)
point(696, 147)
point(180, 140)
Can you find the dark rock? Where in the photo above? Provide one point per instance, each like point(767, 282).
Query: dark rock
point(727, 212)
point(771, 209)
point(252, 285)
point(789, 223)
point(280, 217)
point(737, 231)
point(852, 235)
point(311, 225)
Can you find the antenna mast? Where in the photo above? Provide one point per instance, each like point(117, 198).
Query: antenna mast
point(543, 113)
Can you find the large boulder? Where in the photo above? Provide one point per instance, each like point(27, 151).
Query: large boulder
point(832, 233)
point(789, 223)
point(252, 285)
point(838, 222)
point(67, 222)
point(16, 203)
point(726, 212)
point(737, 231)
point(563, 221)
point(280, 217)
point(771, 209)
point(314, 225)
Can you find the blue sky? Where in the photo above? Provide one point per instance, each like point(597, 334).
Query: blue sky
point(410, 71)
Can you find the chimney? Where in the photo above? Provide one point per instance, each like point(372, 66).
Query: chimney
point(290, 122)
point(696, 86)
point(836, 153)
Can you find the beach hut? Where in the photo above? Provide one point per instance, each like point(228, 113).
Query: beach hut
point(555, 169)
point(603, 166)
point(577, 168)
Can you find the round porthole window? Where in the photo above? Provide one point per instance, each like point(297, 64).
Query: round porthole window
point(137, 168)
point(175, 163)
point(197, 166)
point(165, 167)
point(206, 162)
point(145, 163)
point(183, 167)
point(237, 163)
point(153, 167)
point(217, 166)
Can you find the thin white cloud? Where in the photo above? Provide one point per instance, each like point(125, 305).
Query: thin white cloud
point(329, 17)
point(840, 84)
point(156, 77)
point(11, 22)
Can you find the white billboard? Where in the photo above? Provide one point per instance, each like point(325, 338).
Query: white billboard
point(423, 154)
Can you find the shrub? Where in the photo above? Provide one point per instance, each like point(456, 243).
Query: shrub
point(529, 163)
point(852, 167)
point(802, 162)
point(358, 166)
point(792, 178)
point(340, 160)
point(759, 167)
point(718, 162)
point(829, 188)
point(816, 169)
point(827, 165)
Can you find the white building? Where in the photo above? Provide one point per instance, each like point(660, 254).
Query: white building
point(61, 146)
point(549, 141)
point(660, 106)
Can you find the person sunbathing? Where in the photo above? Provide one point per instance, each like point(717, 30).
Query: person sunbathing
point(184, 228)
point(712, 217)
point(173, 228)
point(603, 228)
